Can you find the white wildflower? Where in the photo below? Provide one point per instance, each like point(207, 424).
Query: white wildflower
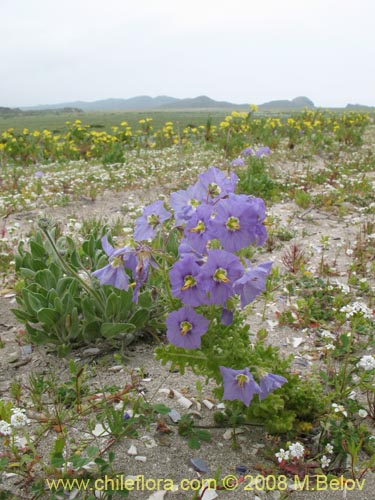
point(5, 428)
point(352, 395)
point(329, 448)
point(356, 308)
point(339, 409)
point(325, 461)
point(18, 418)
point(330, 347)
point(327, 335)
point(296, 450)
point(362, 413)
point(282, 455)
point(366, 362)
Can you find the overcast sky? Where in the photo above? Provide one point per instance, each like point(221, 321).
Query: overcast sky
point(243, 51)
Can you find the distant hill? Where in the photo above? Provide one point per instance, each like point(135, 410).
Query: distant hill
point(164, 102)
point(296, 103)
point(139, 102)
point(358, 107)
point(203, 101)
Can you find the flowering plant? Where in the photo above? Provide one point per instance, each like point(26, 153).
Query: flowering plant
point(199, 252)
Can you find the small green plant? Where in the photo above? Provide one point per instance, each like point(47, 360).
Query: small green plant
point(255, 180)
point(62, 305)
point(302, 198)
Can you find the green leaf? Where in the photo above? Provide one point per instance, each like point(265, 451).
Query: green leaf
point(110, 330)
point(126, 298)
point(57, 460)
point(27, 273)
point(33, 301)
point(75, 326)
point(59, 307)
point(37, 251)
point(113, 305)
point(74, 259)
point(194, 443)
point(145, 300)
point(46, 279)
point(162, 409)
point(59, 445)
point(92, 451)
point(49, 317)
point(22, 316)
point(203, 435)
point(40, 337)
point(91, 331)
point(140, 318)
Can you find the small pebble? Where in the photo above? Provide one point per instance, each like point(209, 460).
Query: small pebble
point(115, 368)
point(199, 465)
point(186, 403)
point(175, 416)
point(141, 458)
point(208, 404)
point(229, 433)
point(91, 351)
point(241, 469)
point(132, 450)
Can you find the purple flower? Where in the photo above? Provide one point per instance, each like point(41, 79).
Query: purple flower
point(196, 230)
point(269, 383)
point(247, 152)
point(226, 317)
point(263, 151)
point(114, 273)
point(237, 162)
point(219, 273)
point(38, 174)
point(185, 328)
point(146, 225)
point(184, 203)
point(186, 281)
point(238, 384)
point(252, 283)
point(235, 223)
point(259, 209)
point(185, 248)
point(139, 262)
point(215, 183)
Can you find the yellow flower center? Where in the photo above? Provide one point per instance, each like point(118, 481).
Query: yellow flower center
point(233, 224)
point(221, 275)
point(194, 203)
point(185, 328)
point(153, 220)
point(214, 189)
point(117, 262)
point(199, 228)
point(242, 379)
point(189, 281)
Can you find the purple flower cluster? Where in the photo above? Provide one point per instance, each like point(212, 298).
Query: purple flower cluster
point(208, 211)
point(259, 153)
point(240, 384)
point(215, 223)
